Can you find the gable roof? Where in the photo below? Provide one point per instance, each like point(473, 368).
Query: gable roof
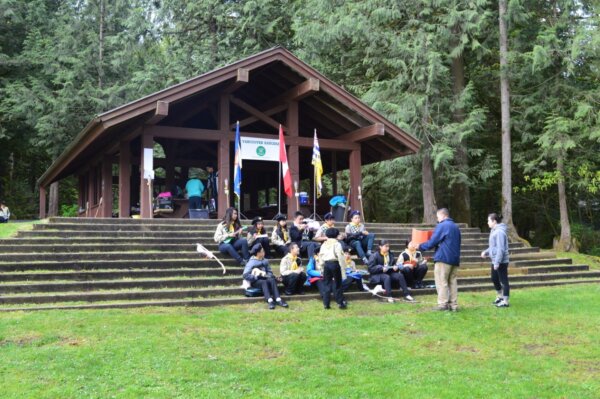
point(398, 141)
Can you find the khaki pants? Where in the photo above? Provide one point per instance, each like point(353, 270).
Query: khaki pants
point(446, 285)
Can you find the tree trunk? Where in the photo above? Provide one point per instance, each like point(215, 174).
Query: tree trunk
point(461, 196)
point(429, 205)
point(565, 243)
point(101, 46)
point(505, 112)
point(53, 200)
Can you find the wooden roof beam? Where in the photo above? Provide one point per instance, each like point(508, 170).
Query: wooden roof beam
point(160, 113)
point(269, 112)
point(297, 93)
point(364, 133)
point(255, 112)
point(243, 77)
point(185, 116)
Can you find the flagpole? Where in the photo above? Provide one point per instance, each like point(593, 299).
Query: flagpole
point(279, 191)
point(315, 192)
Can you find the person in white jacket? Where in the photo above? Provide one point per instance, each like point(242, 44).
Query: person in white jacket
point(4, 212)
point(498, 254)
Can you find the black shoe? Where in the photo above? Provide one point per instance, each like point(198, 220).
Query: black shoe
point(343, 305)
point(326, 307)
point(288, 293)
point(282, 303)
point(271, 305)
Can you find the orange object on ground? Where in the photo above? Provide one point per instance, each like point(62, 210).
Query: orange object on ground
point(420, 236)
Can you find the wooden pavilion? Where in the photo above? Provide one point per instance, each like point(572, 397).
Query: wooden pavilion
point(194, 123)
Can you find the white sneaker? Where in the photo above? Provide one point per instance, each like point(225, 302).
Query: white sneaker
point(409, 298)
point(390, 300)
point(378, 290)
point(502, 304)
point(497, 301)
point(366, 288)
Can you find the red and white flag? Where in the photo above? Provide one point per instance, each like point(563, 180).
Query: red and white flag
point(287, 176)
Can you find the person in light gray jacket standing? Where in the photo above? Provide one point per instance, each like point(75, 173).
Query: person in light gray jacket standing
point(498, 254)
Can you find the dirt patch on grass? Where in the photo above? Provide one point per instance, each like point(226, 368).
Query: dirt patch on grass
point(25, 340)
point(539, 350)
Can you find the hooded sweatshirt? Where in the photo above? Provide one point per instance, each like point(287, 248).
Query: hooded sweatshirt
point(498, 249)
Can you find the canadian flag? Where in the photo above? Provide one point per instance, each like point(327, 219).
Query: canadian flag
point(287, 176)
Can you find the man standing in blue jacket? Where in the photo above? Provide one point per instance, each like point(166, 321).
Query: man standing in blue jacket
point(446, 241)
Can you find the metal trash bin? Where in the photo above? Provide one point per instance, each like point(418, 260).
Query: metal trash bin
point(338, 212)
point(198, 213)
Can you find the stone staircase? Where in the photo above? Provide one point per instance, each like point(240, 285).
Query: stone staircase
point(121, 263)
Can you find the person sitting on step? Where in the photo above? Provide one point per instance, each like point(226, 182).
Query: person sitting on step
point(413, 266)
point(4, 213)
point(292, 273)
point(386, 273)
point(259, 274)
point(280, 237)
point(329, 223)
point(302, 235)
point(359, 238)
point(353, 275)
point(228, 236)
point(258, 234)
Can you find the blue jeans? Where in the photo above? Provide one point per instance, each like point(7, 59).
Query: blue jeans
point(364, 244)
point(233, 248)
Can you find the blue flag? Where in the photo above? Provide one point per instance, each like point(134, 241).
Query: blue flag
point(237, 164)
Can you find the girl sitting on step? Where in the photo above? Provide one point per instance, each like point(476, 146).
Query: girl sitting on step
point(229, 237)
point(259, 274)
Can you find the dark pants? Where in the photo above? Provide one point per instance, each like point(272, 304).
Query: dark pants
point(364, 244)
point(3, 219)
point(282, 250)
point(294, 283)
point(195, 202)
point(500, 279)
point(347, 283)
point(332, 271)
point(264, 242)
point(232, 248)
point(415, 275)
point(268, 287)
point(389, 280)
point(307, 248)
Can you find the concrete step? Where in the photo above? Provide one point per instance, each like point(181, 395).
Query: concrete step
point(209, 222)
point(114, 274)
point(132, 264)
point(238, 299)
point(148, 289)
point(123, 246)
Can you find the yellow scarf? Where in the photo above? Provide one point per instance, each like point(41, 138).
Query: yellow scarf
point(231, 230)
point(386, 258)
point(294, 264)
point(285, 235)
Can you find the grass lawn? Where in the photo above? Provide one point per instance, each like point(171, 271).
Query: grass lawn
point(7, 230)
point(582, 259)
point(544, 346)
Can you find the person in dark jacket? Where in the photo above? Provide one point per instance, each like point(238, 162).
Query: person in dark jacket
point(446, 240)
point(302, 235)
point(259, 274)
point(498, 254)
point(280, 237)
point(258, 234)
point(383, 271)
point(413, 266)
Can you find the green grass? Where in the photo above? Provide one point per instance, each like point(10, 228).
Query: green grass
point(9, 229)
point(582, 259)
point(544, 346)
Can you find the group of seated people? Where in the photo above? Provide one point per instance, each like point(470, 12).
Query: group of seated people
point(330, 266)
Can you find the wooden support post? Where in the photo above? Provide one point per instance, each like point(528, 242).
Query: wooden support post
point(334, 171)
point(223, 156)
point(42, 202)
point(106, 195)
point(355, 178)
point(90, 190)
point(145, 190)
point(293, 154)
point(124, 179)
